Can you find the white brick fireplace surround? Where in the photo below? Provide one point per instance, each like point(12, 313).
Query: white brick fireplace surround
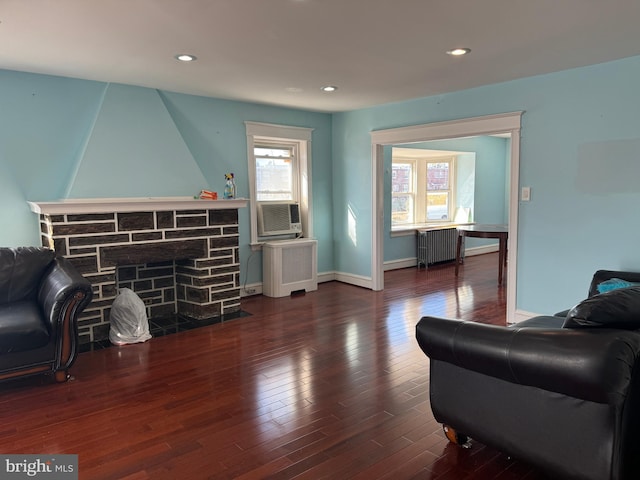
point(195, 241)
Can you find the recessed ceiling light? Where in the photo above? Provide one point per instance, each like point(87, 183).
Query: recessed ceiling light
point(185, 57)
point(329, 88)
point(456, 52)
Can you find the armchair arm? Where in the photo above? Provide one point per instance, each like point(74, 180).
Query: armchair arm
point(594, 365)
point(63, 295)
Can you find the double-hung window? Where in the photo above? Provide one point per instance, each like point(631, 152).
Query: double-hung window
point(439, 202)
point(422, 190)
point(276, 170)
point(279, 170)
point(403, 197)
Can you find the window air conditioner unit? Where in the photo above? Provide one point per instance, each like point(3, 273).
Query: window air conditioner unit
point(278, 218)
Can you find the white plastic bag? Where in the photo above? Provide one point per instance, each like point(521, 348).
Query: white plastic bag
point(129, 323)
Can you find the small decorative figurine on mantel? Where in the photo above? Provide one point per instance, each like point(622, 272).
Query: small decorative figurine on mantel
point(230, 186)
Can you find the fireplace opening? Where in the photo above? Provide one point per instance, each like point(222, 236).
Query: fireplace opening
point(154, 283)
point(171, 290)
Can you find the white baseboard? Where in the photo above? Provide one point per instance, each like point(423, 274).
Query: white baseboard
point(402, 263)
point(252, 289)
point(357, 280)
point(470, 252)
point(256, 288)
point(413, 261)
point(326, 277)
point(522, 315)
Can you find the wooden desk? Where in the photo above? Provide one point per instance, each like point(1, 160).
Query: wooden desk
point(501, 232)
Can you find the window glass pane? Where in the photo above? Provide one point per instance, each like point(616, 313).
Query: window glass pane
point(274, 174)
point(438, 206)
point(401, 178)
point(272, 152)
point(437, 176)
point(402, 209)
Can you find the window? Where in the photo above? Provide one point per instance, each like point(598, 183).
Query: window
point(422, 190)
point(439, 190)
point(275, 172)
point(402, 193)
point(279, 170)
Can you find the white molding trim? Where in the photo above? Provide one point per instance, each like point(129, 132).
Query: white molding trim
point(521, 316)
point(115, 205)
point(273, 130)
point(256, 288)
point(250, 290)
point(401, 263)
point(413, 261)
point(326, 277)
point(357, 280)
point(470, 252)
point(465, 127)
point(484, 125)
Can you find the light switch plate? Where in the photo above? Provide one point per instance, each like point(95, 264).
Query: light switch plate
point(525, 194)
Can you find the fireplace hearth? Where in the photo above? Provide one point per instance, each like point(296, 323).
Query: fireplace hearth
point(195, 242)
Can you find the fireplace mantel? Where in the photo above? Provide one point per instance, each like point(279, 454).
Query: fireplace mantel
point(116, 205)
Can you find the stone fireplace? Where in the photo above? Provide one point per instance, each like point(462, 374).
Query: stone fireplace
point(181, 254)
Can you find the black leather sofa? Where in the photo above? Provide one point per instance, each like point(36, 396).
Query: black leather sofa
point(561, 392)
point(41, 296)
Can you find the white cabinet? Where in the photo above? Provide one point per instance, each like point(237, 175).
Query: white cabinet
point(289, 266)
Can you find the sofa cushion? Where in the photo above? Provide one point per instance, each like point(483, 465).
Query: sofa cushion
point(21, 270)
point(614, 284)
point(22, 327)
point(614, 309)
point(603, 275)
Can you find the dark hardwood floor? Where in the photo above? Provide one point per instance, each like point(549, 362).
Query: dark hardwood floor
point(329, 384)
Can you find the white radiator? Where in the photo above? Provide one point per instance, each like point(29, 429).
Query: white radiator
point(436, 246)
point(289, 266)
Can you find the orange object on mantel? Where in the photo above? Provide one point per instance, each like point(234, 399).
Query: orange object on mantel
point(207, 195)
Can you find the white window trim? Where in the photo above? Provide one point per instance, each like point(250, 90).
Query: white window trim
point(295, 149)
point(412, 192)
point(421, 176)
point(268, 132)
point(419, 184)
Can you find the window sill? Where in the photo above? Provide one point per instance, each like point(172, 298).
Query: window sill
point(406, 230)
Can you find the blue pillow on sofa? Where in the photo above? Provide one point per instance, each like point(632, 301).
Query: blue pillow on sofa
point(618, 308)
point(614, 284)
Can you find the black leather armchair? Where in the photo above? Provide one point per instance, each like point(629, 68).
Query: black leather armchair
point(564, 399)
point(41, 296)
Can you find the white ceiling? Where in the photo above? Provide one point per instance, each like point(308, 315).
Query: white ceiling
point(281, 52)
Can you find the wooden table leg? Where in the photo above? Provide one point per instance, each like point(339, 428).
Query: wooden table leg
point(502, 260)
point(458, 251)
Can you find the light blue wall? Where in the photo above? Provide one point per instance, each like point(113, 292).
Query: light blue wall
point(490, 185)
point(46, 124)
point(579, 155)
point(132, 135)
point(43, 121)
point(465, 180)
